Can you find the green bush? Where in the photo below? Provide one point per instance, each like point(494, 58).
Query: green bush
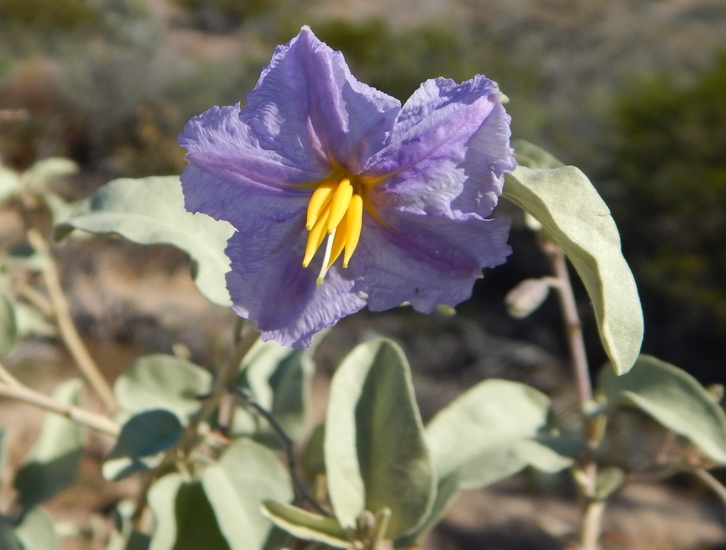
point(672, 159)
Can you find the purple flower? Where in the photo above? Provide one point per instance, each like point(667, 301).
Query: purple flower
point(342, 198)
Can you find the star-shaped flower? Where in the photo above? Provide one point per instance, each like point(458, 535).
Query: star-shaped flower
point(342, 198)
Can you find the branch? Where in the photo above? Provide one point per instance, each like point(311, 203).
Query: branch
point(86, 418)
point(67, 328)
point(713, 483)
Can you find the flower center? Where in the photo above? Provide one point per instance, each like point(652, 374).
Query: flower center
point(335, 210)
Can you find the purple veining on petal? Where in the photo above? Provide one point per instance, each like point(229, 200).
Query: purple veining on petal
point(268, 285)
point(309, 87)
point(427, 260)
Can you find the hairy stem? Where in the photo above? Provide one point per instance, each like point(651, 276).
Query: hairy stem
point(586, 477)
point(86, 418)
point(67, 328)
point(573, 326)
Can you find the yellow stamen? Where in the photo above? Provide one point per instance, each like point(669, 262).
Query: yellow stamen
point(339, 204)
point(354, 224)
point(320, 199)
point(337, 210)
point(316, 236)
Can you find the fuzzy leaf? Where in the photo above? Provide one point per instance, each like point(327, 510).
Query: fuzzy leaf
point(51, 465)
point(8, 325)
point(162, 382)
point(673, 398)
point(39, 175)
point(246, 474)
point(494, 414)
point(306, 525)
point(184, 517)
point(142, 438)
point(37, 531)
point(151, 211)
point(375, 452)
point(564, 201)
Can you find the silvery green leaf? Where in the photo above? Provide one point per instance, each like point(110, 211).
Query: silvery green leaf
point(37, 531)
point(9, 183)
point(673, 398)
point(162, 382)
point(151, 211)
point(306, 525)
point(8, 325)
point(184, 517)
point(375, 453)
point(143, 437)
point(493, 414)
point(24, 256)
point(246, 475)
point(529, 155)
point(565, 202)
point(446, 491)
point(39, 175)
point(51, 465)
point(32, 322)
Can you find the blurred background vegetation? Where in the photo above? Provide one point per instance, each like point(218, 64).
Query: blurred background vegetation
point(631, 91)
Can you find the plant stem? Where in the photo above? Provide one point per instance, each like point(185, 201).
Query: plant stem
point(301, 493)
point(86, 418)
point(573, 326)
point(713, 483)
point(67, 328)
point(586, 477)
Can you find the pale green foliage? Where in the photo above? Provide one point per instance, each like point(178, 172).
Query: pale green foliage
point(142, 440)
point(673, 398)
point(8, 325)
point(564, 201)
point(375, 450)
point(51, 465)
point(306, 525)
point(279, 379)
point(245, 475)
point(151, 211)
point(162, 382)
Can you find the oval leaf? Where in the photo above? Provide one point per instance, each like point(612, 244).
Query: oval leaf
point(142, 438)
point(494, 414)
point(245, 476)
point(673, 398)
point(162, 382)
point(565, 202)
point(51, 464)
point(151, 211)
point(184, 517)
point(306, 525)
point(375, 452)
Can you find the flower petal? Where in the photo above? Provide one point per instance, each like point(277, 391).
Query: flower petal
point(307, 94)
point(231, 177)
point(427, 260)
point(269, 286)
point(447, 152)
